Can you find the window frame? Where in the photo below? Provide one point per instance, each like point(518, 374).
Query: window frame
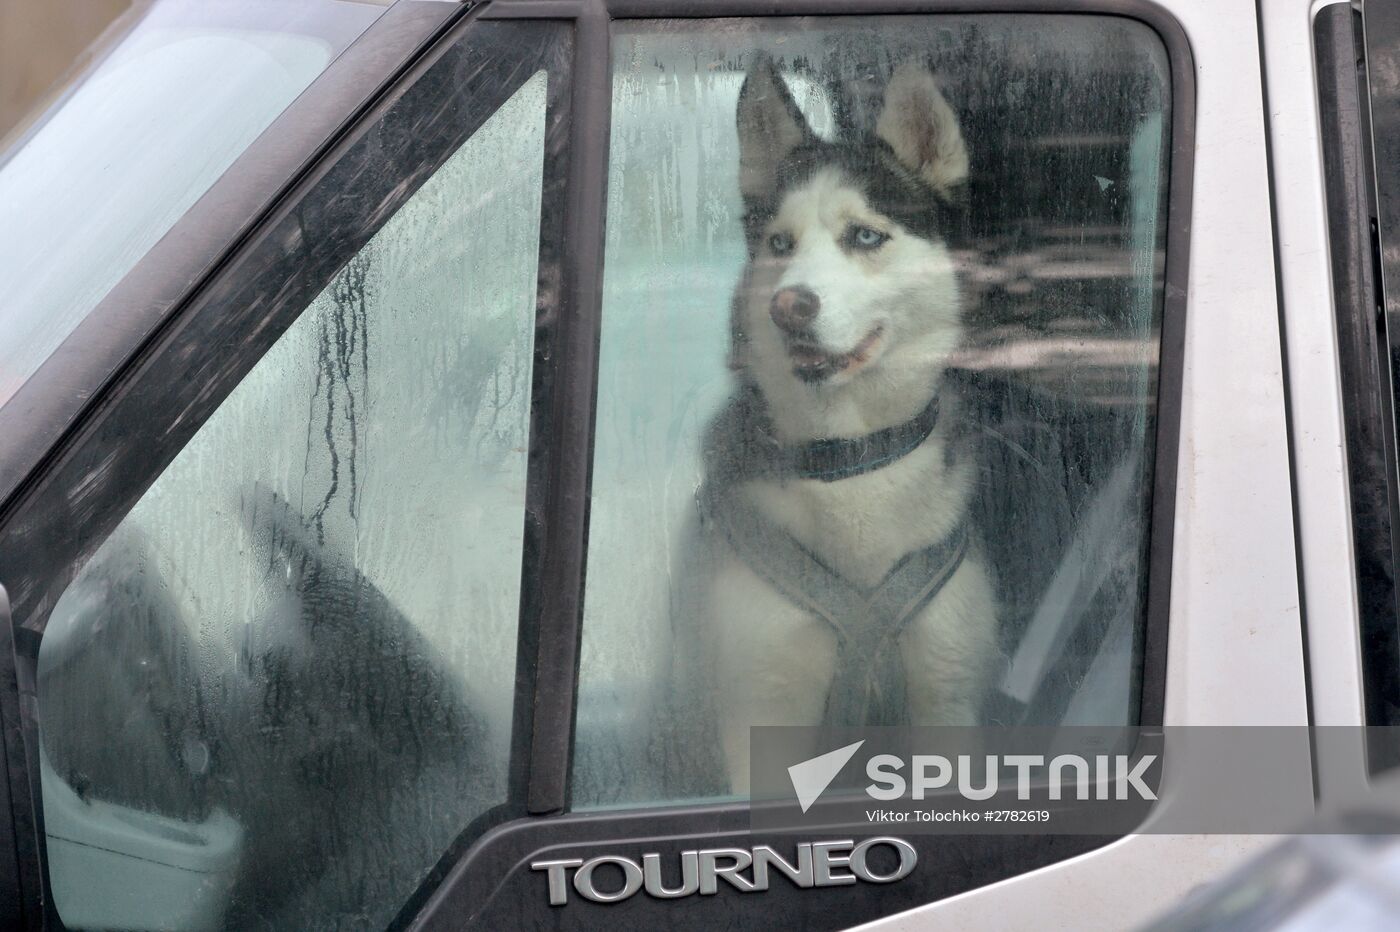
point(192, 306)
point(63, 415)
point(493, 868)
point(1373, 482)
point(1360, 130)
point(549, 789)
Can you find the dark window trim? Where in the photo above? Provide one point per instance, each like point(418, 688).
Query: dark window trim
point(14, 905)
point(1362, 346)
point(560, 572)
point(1361, 144)
point(222, 327)
point(493, 881)
point(485, 868)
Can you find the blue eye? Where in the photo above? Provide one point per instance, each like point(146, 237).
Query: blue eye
point(866, 238)
point(780, 243)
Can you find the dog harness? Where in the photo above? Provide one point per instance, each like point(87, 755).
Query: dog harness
point(869, 686)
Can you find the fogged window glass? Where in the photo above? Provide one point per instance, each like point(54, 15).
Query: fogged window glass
point(877, 389)
point(283, 686)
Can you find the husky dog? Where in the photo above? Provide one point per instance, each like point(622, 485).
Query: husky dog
point(848, 589)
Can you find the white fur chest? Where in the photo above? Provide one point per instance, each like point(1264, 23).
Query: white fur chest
point(862, 525)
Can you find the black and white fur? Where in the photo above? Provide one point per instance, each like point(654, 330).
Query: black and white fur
point(845, 320)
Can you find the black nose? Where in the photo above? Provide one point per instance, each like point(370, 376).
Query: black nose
point(794, 309)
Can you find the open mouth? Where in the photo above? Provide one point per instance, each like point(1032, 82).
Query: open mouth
point(811, 363)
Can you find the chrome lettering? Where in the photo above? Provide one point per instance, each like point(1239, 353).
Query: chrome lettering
point(631, 879)
point(711, 871)
point(690, 876)
point(824, 853)
point(817, 864)
point(801, 874)
point(558, 892)
point(908, 857)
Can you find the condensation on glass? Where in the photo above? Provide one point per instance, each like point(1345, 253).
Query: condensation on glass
point(283, 686)
point(877, 392)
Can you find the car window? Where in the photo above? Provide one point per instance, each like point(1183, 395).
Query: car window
point(276, 694)
point(127, 152)
point(877, 388)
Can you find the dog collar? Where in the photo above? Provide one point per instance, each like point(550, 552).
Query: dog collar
point(842, 457)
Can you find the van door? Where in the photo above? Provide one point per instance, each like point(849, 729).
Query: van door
point(265, 602)
point(378, 558)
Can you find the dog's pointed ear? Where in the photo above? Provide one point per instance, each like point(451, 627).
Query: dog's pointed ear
point(770, 127)
point(923, 130)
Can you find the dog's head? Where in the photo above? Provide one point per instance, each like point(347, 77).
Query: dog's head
point(850, 281)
